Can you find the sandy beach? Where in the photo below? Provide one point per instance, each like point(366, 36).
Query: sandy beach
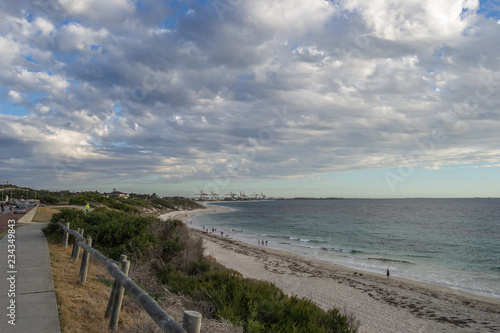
point(185, 215)
point(381, 305)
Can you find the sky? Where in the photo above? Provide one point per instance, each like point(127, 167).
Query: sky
point(371, 99)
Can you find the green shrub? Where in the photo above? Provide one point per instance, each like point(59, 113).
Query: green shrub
point(134, 202)
point(163, 203)
point(78, 200)
point(199, 266)
point(49, 200)
point(255, 305)
point(112, 232)
point(122, 206)
point(89, 197)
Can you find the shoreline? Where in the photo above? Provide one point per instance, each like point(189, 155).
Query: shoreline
point(184, 215)
point(395, 273)
point(394, 305)
point(407, 305)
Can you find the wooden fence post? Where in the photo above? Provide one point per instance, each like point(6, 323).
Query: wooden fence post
point(191, 321)
point(161, 318)
point(85, 254)
point(85, 262)
point(115, 314)
point(74, 244)
point(114, 290)
point(76, 253)
point(65, 235)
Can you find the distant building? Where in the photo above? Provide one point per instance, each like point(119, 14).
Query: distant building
point(117, 194)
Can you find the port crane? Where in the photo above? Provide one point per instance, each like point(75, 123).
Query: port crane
point(202, 195)
point(258, 196)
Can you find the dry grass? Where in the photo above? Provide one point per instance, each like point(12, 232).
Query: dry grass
point(44, 214)
point(82, 307)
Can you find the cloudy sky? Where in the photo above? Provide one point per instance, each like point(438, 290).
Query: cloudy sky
point(353, 98)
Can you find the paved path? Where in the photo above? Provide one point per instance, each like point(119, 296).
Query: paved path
point(30, 211)
point(31, 282)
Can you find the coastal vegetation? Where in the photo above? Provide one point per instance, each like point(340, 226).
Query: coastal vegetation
point(127, 202)
point(134, 203)
point(174, 257)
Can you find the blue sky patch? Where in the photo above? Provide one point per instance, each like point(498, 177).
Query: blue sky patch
point(6, 107)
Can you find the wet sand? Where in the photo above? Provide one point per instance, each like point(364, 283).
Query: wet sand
point(380, 304)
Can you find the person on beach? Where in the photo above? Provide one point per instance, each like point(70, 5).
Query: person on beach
point(387, 273)
point(87, 208)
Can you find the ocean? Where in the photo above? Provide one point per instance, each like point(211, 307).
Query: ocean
point(449, 242)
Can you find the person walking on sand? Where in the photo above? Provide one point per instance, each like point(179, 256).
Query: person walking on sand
point(387, 273)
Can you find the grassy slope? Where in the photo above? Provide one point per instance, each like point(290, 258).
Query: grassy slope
point(174, 257)
point(82, 307)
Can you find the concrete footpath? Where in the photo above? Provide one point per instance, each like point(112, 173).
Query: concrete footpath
point(27, 296)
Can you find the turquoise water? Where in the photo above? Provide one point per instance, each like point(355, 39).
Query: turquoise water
point(450, 242)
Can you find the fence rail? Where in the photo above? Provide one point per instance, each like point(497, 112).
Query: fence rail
point(191, 320)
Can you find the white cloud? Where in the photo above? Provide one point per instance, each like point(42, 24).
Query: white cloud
point(15, 96)
point(74, 37)
point(41, 82)
point(9, 51)
point(482, 166)
point(44, 26)
point(110, 10)
point(416, 20)
point(289, 17)
point(275, 90)
point(42, 108)
point(432, 167)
